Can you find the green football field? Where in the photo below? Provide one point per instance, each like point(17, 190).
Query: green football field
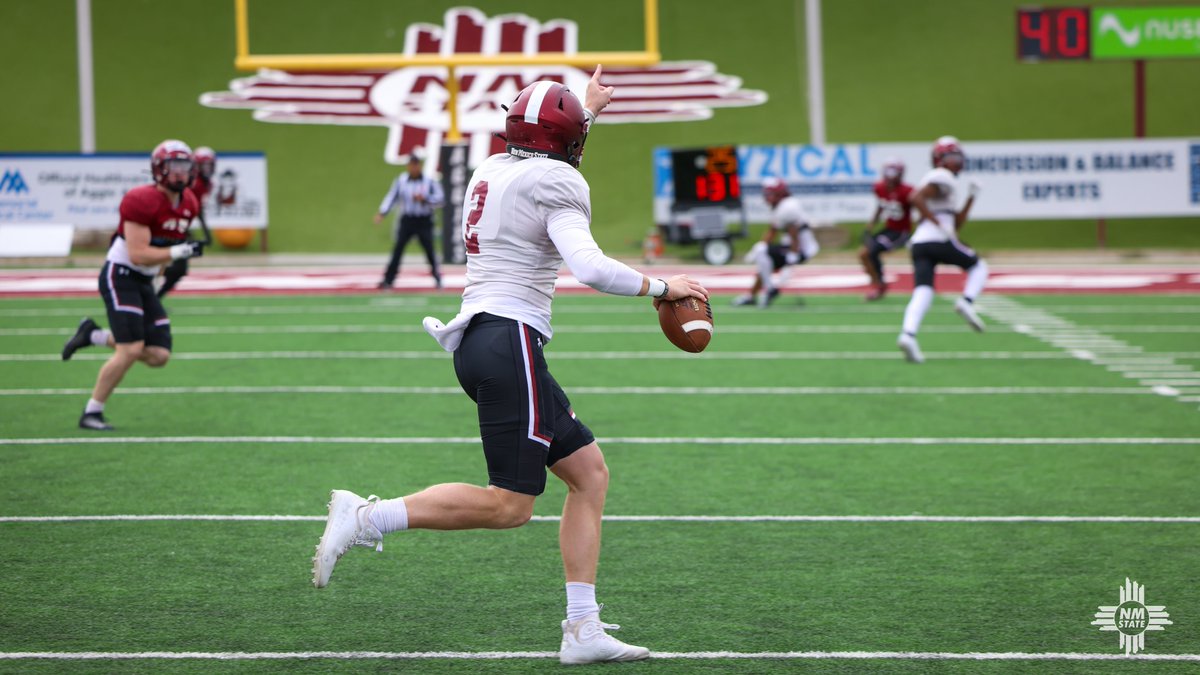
point(797, 491)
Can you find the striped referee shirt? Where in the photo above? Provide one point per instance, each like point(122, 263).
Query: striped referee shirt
point(405, 189)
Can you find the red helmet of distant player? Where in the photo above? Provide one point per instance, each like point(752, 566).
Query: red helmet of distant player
point(893, 169)
point(171, 164)
point(546, 120)
point(774, 190)
point(206, 162)
point(947, 148)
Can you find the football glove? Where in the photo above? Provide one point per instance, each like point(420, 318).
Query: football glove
point(188, 249)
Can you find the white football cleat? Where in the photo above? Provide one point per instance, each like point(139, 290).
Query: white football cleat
point(743, 300)
point(584, 641)
point(967, 311)
point(348, 525)
point(912, 351)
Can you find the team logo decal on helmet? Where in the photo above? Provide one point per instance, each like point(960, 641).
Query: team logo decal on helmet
point(546, 120)
point(172, 158)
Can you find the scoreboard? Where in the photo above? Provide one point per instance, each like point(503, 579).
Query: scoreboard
point(1054, 33)
point(706, 176)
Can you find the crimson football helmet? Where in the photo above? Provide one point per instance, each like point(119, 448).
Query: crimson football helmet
point(946, 145)
point(171, 165)
point(893, 167)
point(206, 162)
point(546, 120)
point(775, 189)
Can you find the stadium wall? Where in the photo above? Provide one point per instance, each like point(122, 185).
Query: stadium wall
point(893, 72)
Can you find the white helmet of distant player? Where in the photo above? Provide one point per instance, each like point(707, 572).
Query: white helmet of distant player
point(774, 190)
point(947, 149)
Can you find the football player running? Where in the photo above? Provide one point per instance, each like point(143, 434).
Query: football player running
point(892, 195)
point(935, 242)
point(527, 211)
point(202, 184)
point(152, 232)
point(795, 246)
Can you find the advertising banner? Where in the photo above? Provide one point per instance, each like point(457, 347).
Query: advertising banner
point(86, 190)
point(1020, 180)
point(1145, 32)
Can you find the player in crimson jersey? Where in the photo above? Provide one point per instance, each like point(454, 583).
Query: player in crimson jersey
point(893, 196)
point(527, 211)
point(152, 232)
point(205, 160)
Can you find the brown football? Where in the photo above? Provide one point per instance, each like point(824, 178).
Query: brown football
point(687, 323)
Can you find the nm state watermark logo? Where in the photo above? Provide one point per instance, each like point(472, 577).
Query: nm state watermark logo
point(12, 183)
point(411, 102)
point(1132, 617)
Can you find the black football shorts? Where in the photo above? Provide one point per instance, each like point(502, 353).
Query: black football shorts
point(927, 256)
point(525, 419)
point(135, 314)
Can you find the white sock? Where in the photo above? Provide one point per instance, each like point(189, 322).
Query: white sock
point(766, 267)
point(390, 515)
point(93, 406)
point(581, 600)
point(914, 314)
point(976, 278)
point(100, 337)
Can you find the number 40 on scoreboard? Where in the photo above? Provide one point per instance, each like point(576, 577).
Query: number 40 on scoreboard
point(1054, 33)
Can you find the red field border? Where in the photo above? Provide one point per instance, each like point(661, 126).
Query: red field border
point(16, 283)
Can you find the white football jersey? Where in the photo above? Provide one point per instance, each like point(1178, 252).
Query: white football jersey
point(512, 264)
point(944, 206)
point(786, 213)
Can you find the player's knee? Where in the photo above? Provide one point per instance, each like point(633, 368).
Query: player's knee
point(513, 513)
point(156, 357)
point(130, 351)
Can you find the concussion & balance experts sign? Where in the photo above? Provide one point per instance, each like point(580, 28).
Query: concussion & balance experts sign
point(1020, 180)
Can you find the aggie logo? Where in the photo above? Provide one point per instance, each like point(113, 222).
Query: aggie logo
point(411, 102)
point(1132, 617)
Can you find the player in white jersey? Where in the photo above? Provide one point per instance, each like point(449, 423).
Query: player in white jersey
point(526, 212)
point(935, 241)
point(795, 246)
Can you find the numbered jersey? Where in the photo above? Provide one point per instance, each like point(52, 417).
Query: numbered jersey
point(512, 264)
point(894, 205)
point(168, 223)
point(944, 206)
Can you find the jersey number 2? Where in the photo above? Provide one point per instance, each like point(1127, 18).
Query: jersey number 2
point(471, 232)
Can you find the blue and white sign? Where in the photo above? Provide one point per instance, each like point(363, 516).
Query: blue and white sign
point(86, 190)
point(1021, 180)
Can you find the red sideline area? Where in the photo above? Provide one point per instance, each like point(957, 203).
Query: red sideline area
point(17, 283)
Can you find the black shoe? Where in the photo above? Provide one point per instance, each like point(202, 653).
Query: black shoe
point(384, 285)
point(82, 338)
point(94, 422)
point(772, 294)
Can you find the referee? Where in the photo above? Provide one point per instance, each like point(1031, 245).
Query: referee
point(419, 195)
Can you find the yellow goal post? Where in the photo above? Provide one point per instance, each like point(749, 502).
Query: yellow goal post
point(244, 60)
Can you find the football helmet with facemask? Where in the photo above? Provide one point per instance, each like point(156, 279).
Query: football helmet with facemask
point(206, 162)
point(546, 120)
point(774, 189)
point(945, 146)
point(171, 165)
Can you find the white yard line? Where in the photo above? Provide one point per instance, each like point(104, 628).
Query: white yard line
point(1089, 343)
point(611, 391)
point(674, 355)
point(493, 656)
point(650, 327)
point(621, 440)
point(1189, 520)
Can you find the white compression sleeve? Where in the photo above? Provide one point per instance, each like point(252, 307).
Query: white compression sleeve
point(573, 239)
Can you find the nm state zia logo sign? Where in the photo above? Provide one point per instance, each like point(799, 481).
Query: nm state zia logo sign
point(411, 102)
